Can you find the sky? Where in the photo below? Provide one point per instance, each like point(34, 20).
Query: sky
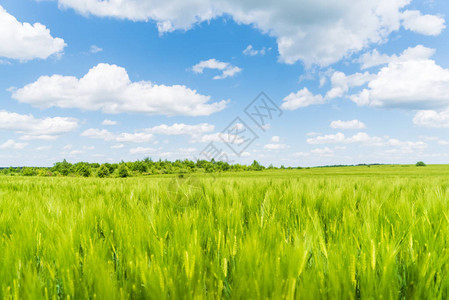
point(294, 83)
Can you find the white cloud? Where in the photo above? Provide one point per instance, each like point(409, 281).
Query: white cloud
point(219, 138)
point(313, 133)
point(33, 128)
point(431, 118)
point(320, 32)
point(187, 150)
point(101, 134)
point(424, 24)
point(11, 144)
point(365, 139)
point(374, 58)
point(275, 146)
point(322, 151)
point(24, 41)
point(341, 83)
point(410, 81)
point(108, 88)
point(443, 142)
point(141, 150)
point(75, 152)
point(181, 129)
point(327, 139)
point(245, 154)
point(227, 69)
point(95, 49)
point(139, 137)
point(118, 146)
point(147, 134)
point(250, 51)
point(384, 88)
point(302, 98)
point(353, 124)
point(108, 123)
point(44, 148)
point(275, 139)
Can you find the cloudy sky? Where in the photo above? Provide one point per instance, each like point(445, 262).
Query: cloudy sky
point(345, 81)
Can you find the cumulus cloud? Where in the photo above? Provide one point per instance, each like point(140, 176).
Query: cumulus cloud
point(353, 124)
point(219, 138)
point(227, 69)
point(103, 134)
point(138, 137)
point(408, 81)
point(100, 134)
point(322, 151)
point(302, 98)
point(11, 144)
point(95, 49)
point(141, 150)
point(181, 129)
point(25, 41)
point(327, 139)
point(108, 123)
point(374, 58)
point(197, 132)
point(108, 88)
point(118, 146)
point(33, 128)
point(250, 51)
point(275, 139)
point(365, 139)
point(315, 32)
point(275, 146)
point(432, 119)
point(43, 148)
point(424, 24)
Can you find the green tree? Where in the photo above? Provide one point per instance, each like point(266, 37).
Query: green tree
point(83, 169)
point(123, 170)
point(256, 166)
point(62, 168)
point(29, 171)
point(420, 164)
point(103, 171)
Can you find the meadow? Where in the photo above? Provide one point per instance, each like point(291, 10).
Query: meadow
point(340, 233)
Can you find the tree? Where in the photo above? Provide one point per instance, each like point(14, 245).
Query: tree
point(83, 169)
point(256, 166)
point(123, 170)
point(139, 166)
point(103, 171)
point(62, 167)
point(420, 164)
point(28, 171)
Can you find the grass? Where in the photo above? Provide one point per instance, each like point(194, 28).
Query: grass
point(353, 232)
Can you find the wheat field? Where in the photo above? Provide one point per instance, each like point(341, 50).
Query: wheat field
point(341, 233)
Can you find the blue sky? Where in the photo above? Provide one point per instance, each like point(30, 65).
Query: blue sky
point(357, 81)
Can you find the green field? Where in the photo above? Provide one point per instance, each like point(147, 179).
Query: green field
point(352, 232)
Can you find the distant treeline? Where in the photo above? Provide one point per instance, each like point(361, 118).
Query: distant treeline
point(141, 167)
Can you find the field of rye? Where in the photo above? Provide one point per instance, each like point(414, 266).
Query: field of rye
point(353, 232)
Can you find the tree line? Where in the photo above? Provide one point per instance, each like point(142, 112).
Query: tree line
point(137, 168)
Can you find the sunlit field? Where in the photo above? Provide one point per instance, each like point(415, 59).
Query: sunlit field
point(353, 232)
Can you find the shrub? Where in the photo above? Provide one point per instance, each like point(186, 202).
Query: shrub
point(123, 171)
point(103, 171)
point(28, 172)
point(83, 169)
point(420, 164)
